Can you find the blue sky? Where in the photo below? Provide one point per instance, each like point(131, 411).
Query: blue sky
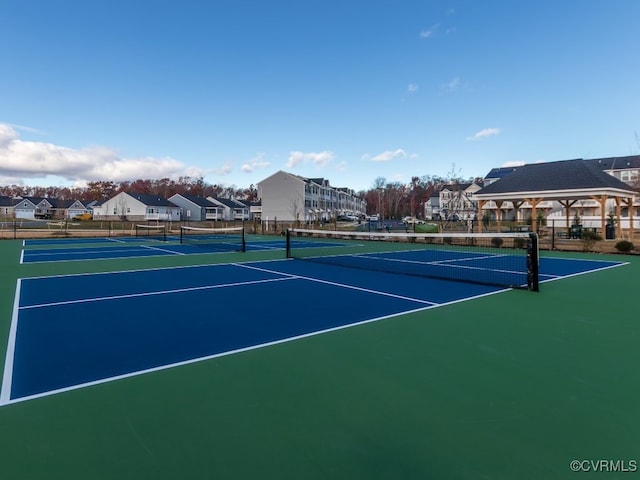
point(348, 90)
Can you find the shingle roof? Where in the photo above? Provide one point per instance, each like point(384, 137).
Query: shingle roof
point(563, 175)
point(616, 163)
point(6, 201)
point(195, 199)
point(500, 172)
point(229, 203)
point(152, 200)
point(34, 200)
point(457, 186)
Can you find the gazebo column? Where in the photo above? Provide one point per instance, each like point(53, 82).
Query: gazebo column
point(534, 202)
point(629, 203)
point(567, 204)
point(481, 203)
point(516, 206)
point(618, 217)
point(499, 214)
point(602, 200)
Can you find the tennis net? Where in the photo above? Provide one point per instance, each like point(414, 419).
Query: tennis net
point(152, 232)
point(505, 260)
point(223, 239)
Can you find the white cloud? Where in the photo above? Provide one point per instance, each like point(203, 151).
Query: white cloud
point(487, 132)
point(512, 163)
point(429, 32)
point(412, 88)
point(319, 159)
point(225, 169)
point(256, 162)
point(342, 167)
point(26, 159)
point(389, 155)
point(453, 84)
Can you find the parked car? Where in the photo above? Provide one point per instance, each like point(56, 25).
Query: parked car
point(412, 221)
point(82, 217)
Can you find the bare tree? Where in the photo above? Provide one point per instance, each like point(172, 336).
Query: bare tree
point(122, 207)
point(296, 208)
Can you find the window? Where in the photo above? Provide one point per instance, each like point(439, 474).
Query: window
point(629, 175)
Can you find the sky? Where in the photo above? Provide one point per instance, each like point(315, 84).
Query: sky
point(348, 90)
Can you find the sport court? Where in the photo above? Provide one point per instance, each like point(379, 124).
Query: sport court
point(73, 331)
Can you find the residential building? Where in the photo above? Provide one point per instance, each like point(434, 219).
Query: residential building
point(496, 174)
point(6, 206)
point(47, 208)
point(456, 201)
point(232, 210)
point(197, 209)
point(288, 197)
point(136, 206)
point(626, 169)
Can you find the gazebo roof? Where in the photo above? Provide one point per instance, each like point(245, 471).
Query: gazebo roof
point(566, 179)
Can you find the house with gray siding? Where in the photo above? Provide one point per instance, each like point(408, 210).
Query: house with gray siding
point(197, 209)
point(232, 210)
point(6, 206)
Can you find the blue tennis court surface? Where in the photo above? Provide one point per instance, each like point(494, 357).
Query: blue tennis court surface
point(124, 248)
point(72, 241)
point(77, 330)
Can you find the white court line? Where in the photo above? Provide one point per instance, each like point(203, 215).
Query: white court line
point(8, 401)
point(57, 252)
point(162, 250)
point(149, 294)
point(153, 269)
point(577, 274)
point(342, 285)
point(258, 246)
point(7, 377)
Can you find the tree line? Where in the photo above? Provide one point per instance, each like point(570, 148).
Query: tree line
point(397, 199)
point(391, 198)
point(164, 187)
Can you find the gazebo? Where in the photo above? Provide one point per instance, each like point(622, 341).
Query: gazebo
point(565, 182)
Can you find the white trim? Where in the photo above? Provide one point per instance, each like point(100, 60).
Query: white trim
point(7, 377)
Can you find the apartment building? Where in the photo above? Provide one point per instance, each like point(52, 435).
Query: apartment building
point(288, 197)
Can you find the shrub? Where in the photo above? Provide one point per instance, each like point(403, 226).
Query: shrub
point(589, 240)
point(496, 242)
point(519, 242)
point(624, 246)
